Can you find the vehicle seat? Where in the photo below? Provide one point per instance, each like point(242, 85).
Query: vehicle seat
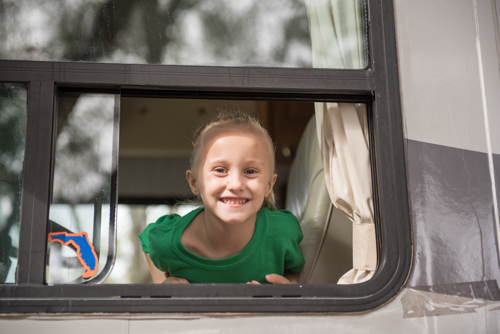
point(308, 199)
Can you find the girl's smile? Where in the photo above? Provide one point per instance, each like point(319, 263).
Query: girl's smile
point(234, 201)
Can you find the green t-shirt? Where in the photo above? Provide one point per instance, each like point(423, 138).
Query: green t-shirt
point(273, 249)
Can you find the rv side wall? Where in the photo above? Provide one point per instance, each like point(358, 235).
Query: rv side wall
point(450, 93)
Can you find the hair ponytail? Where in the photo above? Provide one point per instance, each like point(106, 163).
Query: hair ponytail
point(270, 201)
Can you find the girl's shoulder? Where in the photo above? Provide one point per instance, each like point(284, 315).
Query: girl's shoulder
point(281, 218)
point(167, 220)
point(164, 227)
point(283, 215)
point(283, 226)
point(161, 226)
point(170, 221)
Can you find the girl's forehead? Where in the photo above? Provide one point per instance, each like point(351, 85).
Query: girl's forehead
point(217, 137)
point(237, 145)
point(251, 133)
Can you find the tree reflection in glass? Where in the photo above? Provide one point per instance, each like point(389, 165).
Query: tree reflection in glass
point(183, 32)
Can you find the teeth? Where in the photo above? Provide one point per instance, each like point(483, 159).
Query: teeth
point(233, 201)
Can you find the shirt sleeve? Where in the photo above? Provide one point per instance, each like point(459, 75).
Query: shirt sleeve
point(294, 260)
point(292, 236)
point(153, 236)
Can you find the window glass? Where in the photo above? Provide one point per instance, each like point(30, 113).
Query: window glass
point(13, 105)
point(278, 33)
point(81, 217)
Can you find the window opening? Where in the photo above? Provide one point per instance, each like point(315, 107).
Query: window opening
point(155, 136)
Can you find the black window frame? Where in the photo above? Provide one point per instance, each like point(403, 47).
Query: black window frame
point(377, 86)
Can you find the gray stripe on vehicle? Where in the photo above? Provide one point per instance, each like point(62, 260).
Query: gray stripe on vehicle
point(452, 215)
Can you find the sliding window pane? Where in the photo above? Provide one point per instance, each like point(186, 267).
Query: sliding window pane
point(81, 238)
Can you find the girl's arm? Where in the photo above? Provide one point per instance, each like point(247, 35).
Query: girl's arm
point(162, 277)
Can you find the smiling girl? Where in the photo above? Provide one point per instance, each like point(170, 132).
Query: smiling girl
point(237, 236)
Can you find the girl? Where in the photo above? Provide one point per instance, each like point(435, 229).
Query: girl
point(237, 236)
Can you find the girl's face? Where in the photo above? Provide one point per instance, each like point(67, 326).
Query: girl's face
point(233, 175)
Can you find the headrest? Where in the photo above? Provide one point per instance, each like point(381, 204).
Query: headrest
point(305, 168)
point(308, 199)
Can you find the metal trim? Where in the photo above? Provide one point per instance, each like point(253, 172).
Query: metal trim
point(200, 78)
point(36, 183)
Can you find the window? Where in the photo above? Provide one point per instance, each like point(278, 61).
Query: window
point(51, 82)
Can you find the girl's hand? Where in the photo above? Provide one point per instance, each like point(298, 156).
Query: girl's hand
point(277, 279)
point(289, 278)
point(175, 280)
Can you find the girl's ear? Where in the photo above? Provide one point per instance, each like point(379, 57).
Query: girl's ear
point(271, 184)
point(192, 182)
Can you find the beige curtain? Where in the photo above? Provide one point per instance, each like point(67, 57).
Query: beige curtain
point(337, 42)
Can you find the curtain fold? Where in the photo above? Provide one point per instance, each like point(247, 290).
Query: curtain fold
point(337, 36)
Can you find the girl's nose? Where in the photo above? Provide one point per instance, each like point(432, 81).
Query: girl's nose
point(235, 183)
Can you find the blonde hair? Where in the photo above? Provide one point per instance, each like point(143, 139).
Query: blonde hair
point(236, 118)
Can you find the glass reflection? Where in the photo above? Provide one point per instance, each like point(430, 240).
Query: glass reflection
point(182, 32)
point(82, 186)
point(13, 104)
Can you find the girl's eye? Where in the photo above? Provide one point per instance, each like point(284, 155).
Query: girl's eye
point(250, 171)
point(220, 170)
